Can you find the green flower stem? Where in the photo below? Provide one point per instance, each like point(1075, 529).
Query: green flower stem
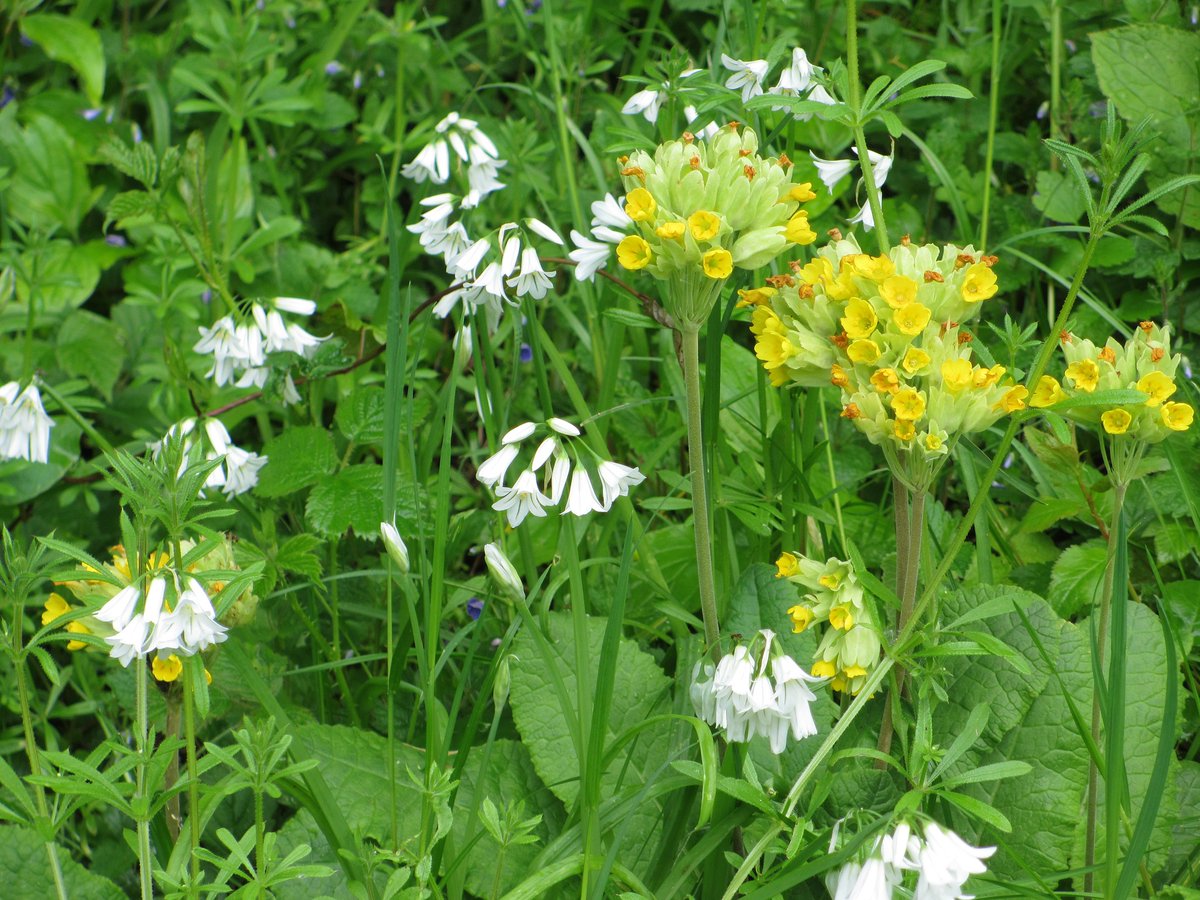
point(1106, 599)
point(910, 531)
point(993, 113)
point(860, 138)
point(189, 733)
point(145, 861)
point(700, 514)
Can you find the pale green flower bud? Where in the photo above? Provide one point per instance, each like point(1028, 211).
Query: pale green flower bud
point(395, 546)
point(503, 572)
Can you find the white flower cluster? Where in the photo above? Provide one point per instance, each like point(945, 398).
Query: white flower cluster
point(471, 146)
point(187, 627)
point(799, 79)
point(831, 171)
point(24, 425)
point(525, 496)
point(737, 695)
point(239, 349)
point(238, 471)
point(941, 860)
point(649, 101)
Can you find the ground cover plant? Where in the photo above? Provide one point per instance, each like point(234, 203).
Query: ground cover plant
point(556, 449)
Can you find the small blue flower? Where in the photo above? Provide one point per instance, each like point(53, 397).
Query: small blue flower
point(474, 608)
point(526, 353)
point(333, 67)
point(114, 240)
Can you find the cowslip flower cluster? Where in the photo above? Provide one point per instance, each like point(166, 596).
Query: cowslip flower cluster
point(941, 861)
point(697, 209)
point(471, 146)
point(239, 348)
point(739, 696)
point(238, 471)
point(565, 476)
point(1143, 363)
point(849, 648)
point(24, 425)
point(889, 331)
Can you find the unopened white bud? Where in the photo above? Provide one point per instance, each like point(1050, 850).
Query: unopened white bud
point(395, 546)
point(503, 572)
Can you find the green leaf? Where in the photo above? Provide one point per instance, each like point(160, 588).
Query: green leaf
point(296, 459)
point(353, 498)
point(1058, 197)
point(1077, 577)
point(75, 43)
point(49, 188)
point(92, 347)
point(25, 870)
point(360, 415)
point(128, 205)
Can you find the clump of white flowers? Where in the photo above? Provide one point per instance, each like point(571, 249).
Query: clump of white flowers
point(238, 471)
point(939, 859)
point(471, 146)
point(738, 694)
point(144, 623)
point(559, 472)
point(239, 347)
point(24, 425)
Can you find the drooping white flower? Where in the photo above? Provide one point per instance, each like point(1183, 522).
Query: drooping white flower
point(819, 95)
point(192, 625)
point(841, 882)
point(831, 171)
point(541, 229)
point(865, 216)
point(797, 78)
point(432, 163)
point(616, 480)
point(589, 256)
point(120, 609)
point(464, 265)
point(581, 498)
point(522, 499)
point(545, 449)
point(241, 470)
point(747, 75)
point(558, 476)
point(946, 862)
point(518, 433)
point(227, 346)
point(562, 426)
point(881, 165)
point(647, 103)
point(24, 425)
point(132, 641)
point(610, 212)
point(395, 546)
point(493, 469)
point(503, 572)
point(793, 696)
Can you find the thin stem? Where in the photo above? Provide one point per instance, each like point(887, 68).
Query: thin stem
point(259, 836)
point(911, 529)
point(993, 113)
point(189, 733)
point(1106, 598)
point(35, 765)
point(860, 139)
point(145, 862)
point(700, 513)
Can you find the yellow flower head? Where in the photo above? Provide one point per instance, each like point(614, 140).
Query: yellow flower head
point(863, 351)
point(904, 430)
point(907, 404)
point(672, 231)
point(1177, 416)
point(1047, 393)
point(824, 668)
point(915, 359)
point(979, 283)
point(771, 345)
point(886, 381)
point(787, 565)
point(1013, 399)
point(1116, 421)
point(801, 616)
point(633, 252)
point(854, 671)
point(987, 377)
point(860, 319)
point(817, 271)
point(1084, 374)
point(841, 618)
point(913, 318)
point(1157, 385)
point(956, 375)
point(933, 442)
point(718, 263)
point(639, 205)
point(798, 231)
point(755, 297)
point(898, 291)
point(802, 192)
point(55, 606)
point(876, 268)
point(831, 581)
point(167, 669)
point(77, 628)
point(704, 225)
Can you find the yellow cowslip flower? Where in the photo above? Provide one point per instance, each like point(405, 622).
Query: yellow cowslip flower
point(987, 377)
point(908, 405)
point(802, 192)
point(672, 231)
point(55, 606)
point(876, 268)
point(633, 253)
point(933, 442)
point(956, 375)
point(798, 231)
point(915, 359)
point(913, 318)
point(1177, 416)
point(886, 381)
point(979, 283)
point(787, 565)
point(167, 669)
point(718, 263)
point(898, 291)
point(77, 628)
point(1116, 421)
point(704, 225)
point(841, 618)
point(639, 205)
point(860, 319)
point(1157, 385)
point(904, 430)
point(831, 581)
point(1013, 399)
point(771, 345)
point(863, 351)
point(818, 271)
point(801, 617)
point(756, 296)
point(823, 668)
point(1047, 393)
point(854, 671)
point(1084, 374)
point(838, 684)
point(842, 287)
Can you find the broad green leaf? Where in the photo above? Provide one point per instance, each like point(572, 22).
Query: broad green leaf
point(740, 417)
point(92, 347)
point(25, 870)
point(353, 498)
point(1077, 577)
point(72, 42)
point(360, 415)
point(297, 458)
point(1058, 197)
